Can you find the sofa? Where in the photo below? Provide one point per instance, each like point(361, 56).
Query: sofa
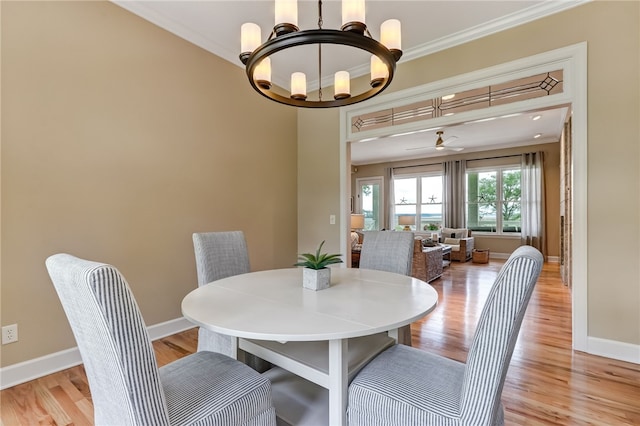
point(427, 261)
point(460, 241)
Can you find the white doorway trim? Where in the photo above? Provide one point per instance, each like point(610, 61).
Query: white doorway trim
point(573, 61)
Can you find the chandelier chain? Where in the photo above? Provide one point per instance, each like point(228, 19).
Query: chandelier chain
point(320, 52)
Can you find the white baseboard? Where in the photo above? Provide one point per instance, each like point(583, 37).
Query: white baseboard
point(550, 259)
point(38, 367)
point(494, 255)
point(612, 349)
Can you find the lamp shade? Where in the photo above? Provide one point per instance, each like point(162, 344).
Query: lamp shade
point(357, 221)
point(407, 220)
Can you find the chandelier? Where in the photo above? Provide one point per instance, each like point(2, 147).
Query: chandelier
point(353, 33)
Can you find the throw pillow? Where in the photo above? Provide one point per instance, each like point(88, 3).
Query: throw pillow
point(454, 233)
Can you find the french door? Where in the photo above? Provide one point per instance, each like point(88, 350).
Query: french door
point(370, 202)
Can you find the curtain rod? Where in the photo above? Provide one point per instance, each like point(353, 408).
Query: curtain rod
point(471, 159)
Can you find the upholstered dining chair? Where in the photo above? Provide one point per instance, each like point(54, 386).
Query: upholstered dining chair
point(389, 251)
point(403, 385)
point(220, 255)
point(127, 387)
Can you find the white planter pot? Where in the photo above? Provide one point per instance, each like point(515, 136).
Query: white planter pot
point(316, 279)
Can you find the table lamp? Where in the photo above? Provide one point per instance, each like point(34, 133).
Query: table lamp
point(407, 221)
point(357, 221)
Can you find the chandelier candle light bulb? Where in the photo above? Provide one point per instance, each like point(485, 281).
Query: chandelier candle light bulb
point(378, 71)
point(286, 16)
point(249, 38)
point(342, 85)
point(262, 74)
point(353, 16)
point(298, 86)
point(391, 35)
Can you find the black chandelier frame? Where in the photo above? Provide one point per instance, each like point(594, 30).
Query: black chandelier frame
point(352, 35)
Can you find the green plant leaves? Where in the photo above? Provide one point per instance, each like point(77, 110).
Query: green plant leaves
point(318, 260)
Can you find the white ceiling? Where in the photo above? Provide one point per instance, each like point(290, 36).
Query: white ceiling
point(495, 133)
point(427, 27)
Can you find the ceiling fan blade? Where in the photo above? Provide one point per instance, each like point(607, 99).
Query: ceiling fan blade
point(419, 147)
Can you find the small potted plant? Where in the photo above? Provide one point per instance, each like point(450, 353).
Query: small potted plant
point(316, 275)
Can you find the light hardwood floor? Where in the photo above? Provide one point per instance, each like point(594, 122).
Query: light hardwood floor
point(547, 382)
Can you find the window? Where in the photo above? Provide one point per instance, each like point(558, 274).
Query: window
point(418, 197)
point(493, 200)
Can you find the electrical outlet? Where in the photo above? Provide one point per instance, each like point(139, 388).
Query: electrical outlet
point(332, 219)
point(9, 334)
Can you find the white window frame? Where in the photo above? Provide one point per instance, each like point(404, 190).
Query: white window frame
point(418, 176)
point(499, 197)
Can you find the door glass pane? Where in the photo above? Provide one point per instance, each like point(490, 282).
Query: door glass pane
point(371, 208)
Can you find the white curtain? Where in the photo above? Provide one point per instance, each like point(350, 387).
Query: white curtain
point(454, 194)
point(533, 201)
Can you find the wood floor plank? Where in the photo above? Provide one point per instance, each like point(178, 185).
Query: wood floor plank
point(547, 383)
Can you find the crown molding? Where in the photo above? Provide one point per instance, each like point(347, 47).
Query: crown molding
point(546, 8)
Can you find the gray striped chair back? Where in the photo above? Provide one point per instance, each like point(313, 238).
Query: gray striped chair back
point(113, 341)
point(220, 255)
point(496, 334)
point(387, 251)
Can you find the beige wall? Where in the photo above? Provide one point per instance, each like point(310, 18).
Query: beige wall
point(611, 30)
point(318, 179)
point(494, 243)
point(119, 140)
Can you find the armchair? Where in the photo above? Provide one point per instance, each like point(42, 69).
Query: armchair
point(427, 261)
point(460, 241)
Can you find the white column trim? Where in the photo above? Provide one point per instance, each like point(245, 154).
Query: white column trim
point(573, 61)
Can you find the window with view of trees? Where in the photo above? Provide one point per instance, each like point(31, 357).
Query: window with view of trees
point(420, 197)
point(493, 200)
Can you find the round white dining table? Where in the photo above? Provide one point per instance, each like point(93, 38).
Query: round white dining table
point(270, 313)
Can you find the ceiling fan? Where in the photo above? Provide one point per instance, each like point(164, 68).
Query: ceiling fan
point(440, 143)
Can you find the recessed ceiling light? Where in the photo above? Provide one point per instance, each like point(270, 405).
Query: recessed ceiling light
point(537, 136)
point(536, 117)
point(447, 97)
